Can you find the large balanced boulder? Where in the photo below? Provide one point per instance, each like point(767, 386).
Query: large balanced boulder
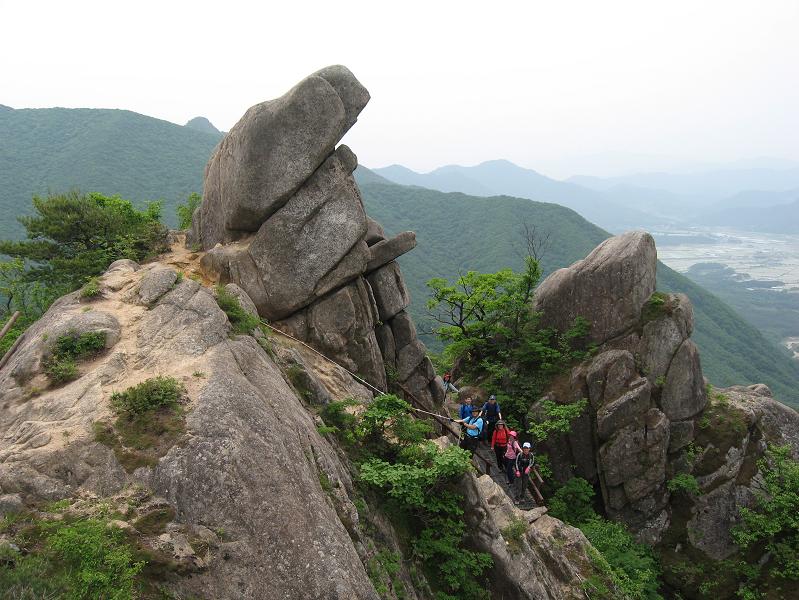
point(608, 288)
point(283, 220)
point(272, 151)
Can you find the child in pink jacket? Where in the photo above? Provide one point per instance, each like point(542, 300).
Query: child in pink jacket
point(510, 456)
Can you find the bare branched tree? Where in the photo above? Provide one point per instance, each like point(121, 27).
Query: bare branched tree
point(536, 241)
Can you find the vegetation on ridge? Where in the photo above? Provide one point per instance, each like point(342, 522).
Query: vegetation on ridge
point(416, 483)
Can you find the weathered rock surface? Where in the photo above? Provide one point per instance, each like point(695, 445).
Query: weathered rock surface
point(684, 390)
point(662, 337)
point(385, 251)
point(553, 557)
point(237, 469)
point(608, 288)
point(300, 251)
point(390, 292)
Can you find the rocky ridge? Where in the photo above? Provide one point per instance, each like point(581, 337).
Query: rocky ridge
point(251, 501)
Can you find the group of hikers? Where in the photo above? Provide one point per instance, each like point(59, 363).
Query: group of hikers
point(485, 424)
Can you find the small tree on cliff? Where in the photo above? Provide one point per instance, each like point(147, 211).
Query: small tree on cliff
point(490, 327)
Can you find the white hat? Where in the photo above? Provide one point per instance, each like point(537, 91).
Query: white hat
point(526, 445)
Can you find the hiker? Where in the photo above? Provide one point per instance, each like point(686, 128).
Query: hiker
point(499, 443)
point(511, 451)
point(448, 384)
point(465, 410)
point(523, 465)
point(491, 413)
point(474, 428)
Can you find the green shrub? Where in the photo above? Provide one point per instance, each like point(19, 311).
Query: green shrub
point(456, 569)
point(61, 370)
point(557, 418)
point(683, 482)
point(149, 421)
point(657, 305)
point(73, 559)
point(628, 569)
point(149, 395)
point(772, 525)
point(633, 568)
point(514, 534)
point(61, 366)
point(242, 321)
point(340, 420)
point(91, 288)
point(383, 570)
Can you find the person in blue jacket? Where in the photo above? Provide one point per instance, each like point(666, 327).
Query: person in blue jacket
point(465, 410)
point(474, 429)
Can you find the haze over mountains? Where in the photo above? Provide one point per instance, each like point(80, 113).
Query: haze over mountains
point(141, 158)
point(645, 200)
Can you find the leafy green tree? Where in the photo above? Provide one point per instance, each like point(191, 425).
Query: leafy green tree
point(72, 237)
point(185, 212)
point(490, 328)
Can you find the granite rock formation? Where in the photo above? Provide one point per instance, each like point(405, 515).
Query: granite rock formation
point(283, 219)
point(650, 414)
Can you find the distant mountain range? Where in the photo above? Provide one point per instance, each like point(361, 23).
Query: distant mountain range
point(141, 158)
point(501, 177)
point(654, 200)
point(712, 185)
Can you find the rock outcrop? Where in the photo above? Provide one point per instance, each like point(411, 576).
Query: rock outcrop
point(651, 416)
point(283, 219)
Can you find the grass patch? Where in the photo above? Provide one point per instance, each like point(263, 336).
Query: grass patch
point(155, 521)
point(149, 421)
point(62, 364)
point(659, 304)
point(91, 289)
point(242, 321)
point(514, 534)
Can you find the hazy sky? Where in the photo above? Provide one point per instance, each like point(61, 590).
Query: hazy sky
point(559, 86)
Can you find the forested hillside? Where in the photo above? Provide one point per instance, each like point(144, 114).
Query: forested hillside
point(109, 151)
point(459, 232)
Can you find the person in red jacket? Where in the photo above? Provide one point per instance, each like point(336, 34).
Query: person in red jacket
point(499, 443)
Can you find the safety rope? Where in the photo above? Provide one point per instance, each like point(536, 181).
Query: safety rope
point(328, 359)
